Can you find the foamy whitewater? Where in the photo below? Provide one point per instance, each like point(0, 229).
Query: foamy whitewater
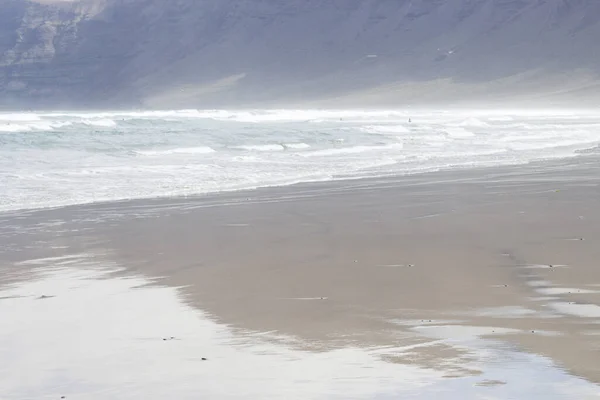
point(56, 159)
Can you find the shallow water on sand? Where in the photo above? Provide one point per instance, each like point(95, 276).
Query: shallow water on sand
point(77, 328)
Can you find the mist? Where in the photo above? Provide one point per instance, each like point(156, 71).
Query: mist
point(94, 54)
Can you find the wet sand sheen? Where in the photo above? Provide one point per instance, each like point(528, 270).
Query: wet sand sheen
point(99, 335)
point(454, 273)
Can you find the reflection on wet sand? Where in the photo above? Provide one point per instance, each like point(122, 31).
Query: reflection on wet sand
point(337, 290)
point(97, 335)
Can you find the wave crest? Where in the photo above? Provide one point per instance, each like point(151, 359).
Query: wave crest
point(354, 150)
point(181, 150)
point(105, 123)
point(458, 133)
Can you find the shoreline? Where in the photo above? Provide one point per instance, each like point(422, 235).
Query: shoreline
point(468, 172)
point(501, 256)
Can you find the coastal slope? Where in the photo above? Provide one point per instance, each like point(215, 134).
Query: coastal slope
point(261, 53)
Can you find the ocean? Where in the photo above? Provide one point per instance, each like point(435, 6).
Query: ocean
point(63, 158)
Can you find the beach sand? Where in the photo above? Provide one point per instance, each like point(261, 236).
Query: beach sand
point(438, 264)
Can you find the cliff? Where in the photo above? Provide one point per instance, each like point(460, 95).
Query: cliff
point(300, 53)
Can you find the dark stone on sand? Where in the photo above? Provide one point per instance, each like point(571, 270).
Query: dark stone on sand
point(204, 359)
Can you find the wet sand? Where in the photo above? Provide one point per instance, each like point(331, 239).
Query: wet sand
point(440, 264)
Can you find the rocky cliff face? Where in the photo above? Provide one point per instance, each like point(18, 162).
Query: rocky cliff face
point(36, 40)
point(216, 53)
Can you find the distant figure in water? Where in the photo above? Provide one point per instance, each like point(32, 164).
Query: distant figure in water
point(409, 120)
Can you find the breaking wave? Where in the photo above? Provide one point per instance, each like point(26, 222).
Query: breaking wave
point(458, 133)
point(261, 147)
point(20, 117)
point(474, 122)
point(105, 123)
point(183, 150)
point(353, 150)
point(296, 146)
point(385, 129)
point(273, 147)
point(38, 125)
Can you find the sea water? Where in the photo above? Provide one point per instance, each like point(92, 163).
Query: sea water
point(62, 158)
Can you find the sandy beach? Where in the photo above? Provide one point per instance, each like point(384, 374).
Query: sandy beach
point(299, 200)
point(477, 282)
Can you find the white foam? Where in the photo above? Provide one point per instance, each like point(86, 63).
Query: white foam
point(22, 117)
point(261, 147)
point(183, 150)
point(107, 123)
point(318, 116)
point(14, 128)
point(353, 150)
point(36, 125)
point(159, 114)
point(501, 118)
point(474, 122)
point(472, 118)
point(258, 148)
point(296, 146)
point(557, 143)
point(457, 132)
point(385, 129)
